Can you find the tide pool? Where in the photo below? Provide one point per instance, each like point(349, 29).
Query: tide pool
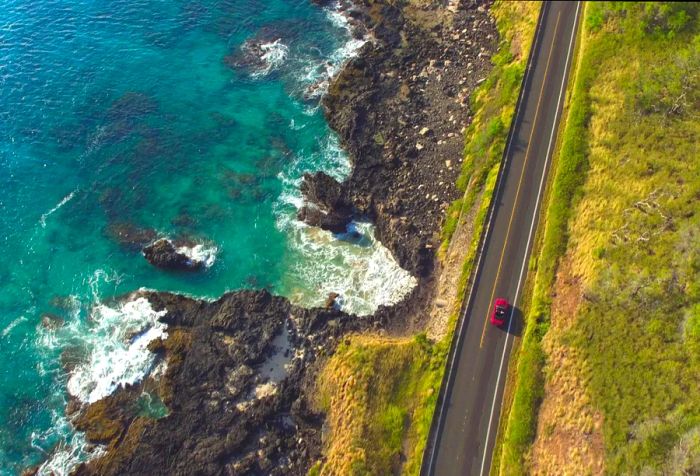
point(124, 119)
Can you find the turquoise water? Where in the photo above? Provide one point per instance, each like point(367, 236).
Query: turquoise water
point(124, 113)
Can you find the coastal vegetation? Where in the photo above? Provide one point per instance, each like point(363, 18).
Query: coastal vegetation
point(370, 389)
point(608, 367)
point(493, 105)
point(379, 393)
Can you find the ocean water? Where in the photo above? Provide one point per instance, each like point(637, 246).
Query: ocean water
point(126, 115)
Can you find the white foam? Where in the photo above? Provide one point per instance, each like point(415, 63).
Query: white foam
point(360, 269)
point(356, 265)
point(337, 17)
point(67, 454)
point(273, 56)
point(63, 201)
point(117, 342)
point(199, 254)
point(293, 126)
point(316, 75)
point(12, 325)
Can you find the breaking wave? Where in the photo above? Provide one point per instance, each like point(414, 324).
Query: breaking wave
point(107, 349)
point(117, 348)
point(355, 265)
point(199, 254)
point(272, 56)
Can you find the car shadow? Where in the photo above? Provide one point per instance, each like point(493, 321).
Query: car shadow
point(516, 327)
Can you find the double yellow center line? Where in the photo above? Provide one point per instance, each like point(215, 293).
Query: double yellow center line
point(520, 182)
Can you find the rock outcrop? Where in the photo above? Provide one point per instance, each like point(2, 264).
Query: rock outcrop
point(234, 390)
point(401, 109)
point(163, 254)
point(326, 205)
point(240, 370)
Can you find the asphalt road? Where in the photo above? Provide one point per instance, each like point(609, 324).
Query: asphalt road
point(468, 415)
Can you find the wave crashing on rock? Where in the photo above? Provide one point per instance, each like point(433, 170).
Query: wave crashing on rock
point(117, 344)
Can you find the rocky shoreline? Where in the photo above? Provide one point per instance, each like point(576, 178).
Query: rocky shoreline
point(233, 388)
point(240, 370)
point(401, 109)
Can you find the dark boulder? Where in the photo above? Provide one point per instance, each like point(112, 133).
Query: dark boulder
point(331, 221)
point(322, 190)
point(327, 207)
point(163, 254)
point(51, 321)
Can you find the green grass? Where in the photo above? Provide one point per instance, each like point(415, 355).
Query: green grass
point(633, 121)
point(377, 393)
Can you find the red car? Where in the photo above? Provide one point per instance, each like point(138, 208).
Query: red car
point(500, 309)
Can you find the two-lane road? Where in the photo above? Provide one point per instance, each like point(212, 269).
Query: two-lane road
point(468, 414)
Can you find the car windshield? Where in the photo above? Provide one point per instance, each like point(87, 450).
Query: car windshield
point(500, 311)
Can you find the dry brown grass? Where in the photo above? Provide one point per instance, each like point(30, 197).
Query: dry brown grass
point(447, 296)
point(569, 438)
point(620, 395)
point(522, 20)
point(375, 392)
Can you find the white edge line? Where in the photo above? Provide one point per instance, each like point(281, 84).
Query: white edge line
point(450, 370)
point(529, 238)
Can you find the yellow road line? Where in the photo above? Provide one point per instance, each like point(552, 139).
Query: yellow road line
point(520, 182)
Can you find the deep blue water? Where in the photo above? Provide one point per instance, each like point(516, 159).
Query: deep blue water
point(125, 115)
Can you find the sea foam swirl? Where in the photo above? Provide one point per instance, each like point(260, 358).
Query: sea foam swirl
point(117, 344)
point(355, 265)
point(272, 56)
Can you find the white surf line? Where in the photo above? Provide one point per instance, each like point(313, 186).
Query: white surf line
point(65, 200)
point(489, 223)
point(529, 238)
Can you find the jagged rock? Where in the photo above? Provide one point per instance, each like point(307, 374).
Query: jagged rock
point(163, 254)
point(332, 221)
point(322, 190)
point(51, 321)
point(328, 208)
point(215, 353)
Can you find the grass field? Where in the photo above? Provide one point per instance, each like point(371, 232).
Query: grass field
point(624, 213)
point(379, 393)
